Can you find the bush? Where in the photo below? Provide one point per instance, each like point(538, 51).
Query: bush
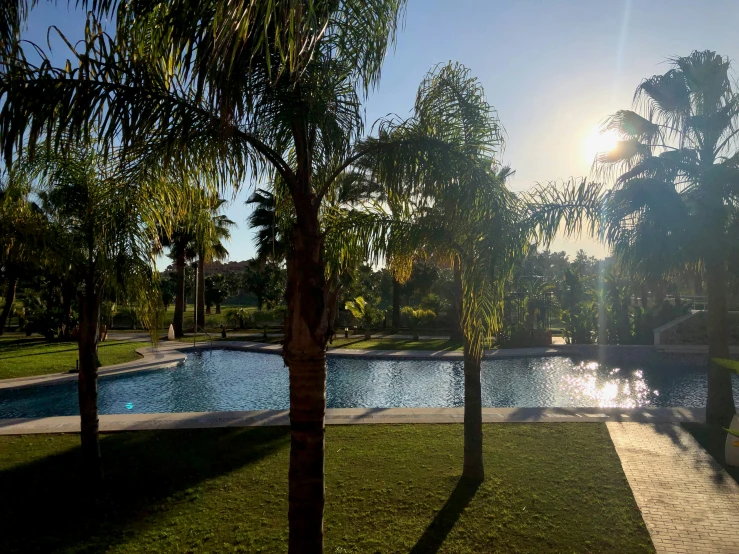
point(276, 316)
point(431, 302)
point(417, 318)
point(239, 317)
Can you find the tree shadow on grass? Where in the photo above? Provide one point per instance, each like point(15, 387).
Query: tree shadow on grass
point(438, 530)
point(46, 508)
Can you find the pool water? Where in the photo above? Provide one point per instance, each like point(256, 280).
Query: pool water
point(228, 380)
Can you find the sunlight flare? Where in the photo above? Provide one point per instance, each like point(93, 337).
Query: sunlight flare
point(598, 142)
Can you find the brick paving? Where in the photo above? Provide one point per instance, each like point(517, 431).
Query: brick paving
point(688, 502)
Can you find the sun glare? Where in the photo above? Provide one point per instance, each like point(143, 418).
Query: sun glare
point(596, 143)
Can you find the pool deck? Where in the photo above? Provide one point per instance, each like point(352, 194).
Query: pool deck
point(687, 500)
point(168, 354)
point(348, 416)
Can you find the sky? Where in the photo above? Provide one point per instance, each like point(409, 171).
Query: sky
point(552, 69)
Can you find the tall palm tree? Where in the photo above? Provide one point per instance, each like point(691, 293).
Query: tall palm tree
point(210, 228)
point(104, 248)
point(268, 239)
point(677, 187)
point(252, 88)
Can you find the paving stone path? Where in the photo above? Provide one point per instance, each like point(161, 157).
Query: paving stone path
point(688, 502)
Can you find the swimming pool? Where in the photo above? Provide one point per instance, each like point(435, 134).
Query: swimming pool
point(224, 380)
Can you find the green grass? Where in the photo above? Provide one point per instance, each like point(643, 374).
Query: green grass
point(358, 342)
point(27, 356)
point(213, 321)
point(554, 487)
point(355, 342)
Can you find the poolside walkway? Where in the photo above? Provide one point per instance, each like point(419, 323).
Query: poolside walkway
point(688, 502)
point(346, 416)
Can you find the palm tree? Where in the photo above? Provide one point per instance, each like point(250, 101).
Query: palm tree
point(179, 240)
point(268, 239)
point(363, 312)
point(286, 105)
point(22, 229)
point(104, 248)
point(210, 228)
point(675, 196)
point(461, 212)
point(258, 88)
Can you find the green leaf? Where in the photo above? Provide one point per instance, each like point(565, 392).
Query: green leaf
point(732, 365)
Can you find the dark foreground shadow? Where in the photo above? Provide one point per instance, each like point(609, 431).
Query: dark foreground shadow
point(713, 440)
point(435, 534)
point(46, 506)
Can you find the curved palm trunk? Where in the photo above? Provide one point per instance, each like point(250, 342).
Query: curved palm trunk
point(9, 299)
point(88, 382)
point(720, 401)
point(473, 469)
point(307, 330)
point(396, 306)
point(201, 294)
point(179, 299)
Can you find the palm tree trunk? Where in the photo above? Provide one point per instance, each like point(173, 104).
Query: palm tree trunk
point(68, 292)
point(473, 469)
point(456, 333)
point(9, 299)
point(625, 323)
point(307, 331)
point(88, 382)
point(179, 299)
point(201, 294)
point(720, 401)
point(396, 306)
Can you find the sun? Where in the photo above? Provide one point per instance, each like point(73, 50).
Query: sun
point(597, 143)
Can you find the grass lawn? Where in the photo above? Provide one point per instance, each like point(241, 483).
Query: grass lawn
point(358, 342)
point(26, 356)
point(554, 487)
point(213, 321)
point(355, 342)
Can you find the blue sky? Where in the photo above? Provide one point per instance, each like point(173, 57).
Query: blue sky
point(553, 70)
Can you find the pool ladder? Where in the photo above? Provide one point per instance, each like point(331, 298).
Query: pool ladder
point(195, 336)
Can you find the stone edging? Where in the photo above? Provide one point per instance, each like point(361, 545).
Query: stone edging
point(348, 416)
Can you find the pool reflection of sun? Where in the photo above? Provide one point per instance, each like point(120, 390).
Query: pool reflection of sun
point(597, 143)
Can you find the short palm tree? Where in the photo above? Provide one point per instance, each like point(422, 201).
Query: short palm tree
point(461, 212)
point(677, 187)
point(363, 312)
point(104, 248)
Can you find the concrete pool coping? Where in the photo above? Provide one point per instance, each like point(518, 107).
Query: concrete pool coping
point(348, 416)
point(168, 354)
